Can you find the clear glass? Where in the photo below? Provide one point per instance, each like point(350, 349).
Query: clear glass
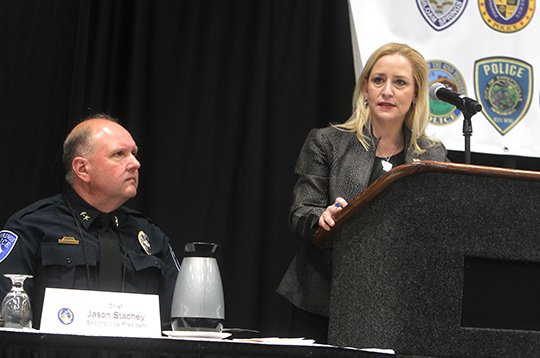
point(16, 310)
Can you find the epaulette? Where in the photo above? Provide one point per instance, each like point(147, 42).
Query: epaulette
point(38, 205)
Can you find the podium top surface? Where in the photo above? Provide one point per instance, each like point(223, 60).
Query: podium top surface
point(322, 237)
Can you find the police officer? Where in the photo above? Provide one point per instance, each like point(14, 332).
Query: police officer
point(85, 238)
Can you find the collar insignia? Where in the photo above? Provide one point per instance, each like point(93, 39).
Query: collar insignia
point(84, 215)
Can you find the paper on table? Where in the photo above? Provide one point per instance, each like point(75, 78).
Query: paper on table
point(379, 350)
point(303, 342)
point(277, 340)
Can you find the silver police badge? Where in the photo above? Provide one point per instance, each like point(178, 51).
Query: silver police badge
point(144, 242)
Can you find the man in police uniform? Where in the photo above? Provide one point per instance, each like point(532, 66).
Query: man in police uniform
point(58, 239)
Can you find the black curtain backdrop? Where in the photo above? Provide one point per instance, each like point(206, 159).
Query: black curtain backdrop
point(219, 96)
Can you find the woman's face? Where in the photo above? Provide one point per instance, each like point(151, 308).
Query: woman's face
point(390, 89)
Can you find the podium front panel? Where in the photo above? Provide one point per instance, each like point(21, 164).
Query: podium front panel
point(441, 264)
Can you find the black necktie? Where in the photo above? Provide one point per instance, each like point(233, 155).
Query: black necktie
point(110, 258)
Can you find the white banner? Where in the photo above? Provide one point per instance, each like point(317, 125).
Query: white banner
point(485, 49)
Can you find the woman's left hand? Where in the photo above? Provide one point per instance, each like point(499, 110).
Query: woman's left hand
point(326, 220)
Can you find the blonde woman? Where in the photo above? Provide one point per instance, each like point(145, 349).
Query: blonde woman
point(386, 129)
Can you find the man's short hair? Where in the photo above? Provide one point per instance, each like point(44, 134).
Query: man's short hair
point(77, 143)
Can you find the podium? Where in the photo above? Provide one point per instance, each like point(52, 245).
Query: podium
point(441, 260)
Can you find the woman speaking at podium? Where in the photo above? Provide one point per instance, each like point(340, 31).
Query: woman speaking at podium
point(386, 129)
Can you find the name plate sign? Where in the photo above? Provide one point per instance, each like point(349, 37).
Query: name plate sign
point(98, 313)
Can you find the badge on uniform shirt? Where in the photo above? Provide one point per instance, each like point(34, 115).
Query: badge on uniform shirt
point(7, 243)
point(144, 242)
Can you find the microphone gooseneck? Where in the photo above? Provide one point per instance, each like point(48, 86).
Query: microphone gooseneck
point(439, 92)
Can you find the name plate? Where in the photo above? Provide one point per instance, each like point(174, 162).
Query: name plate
point(98, 313)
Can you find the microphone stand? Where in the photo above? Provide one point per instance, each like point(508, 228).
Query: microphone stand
point(467, 133)
point(468, 109)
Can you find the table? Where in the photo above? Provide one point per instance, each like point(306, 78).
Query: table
point(45, 345)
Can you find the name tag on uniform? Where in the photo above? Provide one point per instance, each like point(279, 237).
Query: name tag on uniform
point(98, 313)
point(68, 240)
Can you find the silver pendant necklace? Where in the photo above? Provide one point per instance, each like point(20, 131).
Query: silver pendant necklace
point(386, 165)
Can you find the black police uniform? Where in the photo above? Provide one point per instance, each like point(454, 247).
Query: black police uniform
point(57, 243)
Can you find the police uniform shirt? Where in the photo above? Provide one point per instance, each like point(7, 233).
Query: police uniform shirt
point(55, 240)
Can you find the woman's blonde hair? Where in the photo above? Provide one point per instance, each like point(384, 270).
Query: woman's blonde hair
point(418, 115)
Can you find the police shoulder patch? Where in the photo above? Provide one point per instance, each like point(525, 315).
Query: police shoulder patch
point(7, 243)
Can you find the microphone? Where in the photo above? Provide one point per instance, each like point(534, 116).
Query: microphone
point(465, 104)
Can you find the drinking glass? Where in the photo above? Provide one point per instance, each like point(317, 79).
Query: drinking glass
point(16, 310)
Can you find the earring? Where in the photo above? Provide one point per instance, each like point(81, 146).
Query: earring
point(365, 101)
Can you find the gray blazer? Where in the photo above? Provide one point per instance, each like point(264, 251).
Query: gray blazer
point(332, 163)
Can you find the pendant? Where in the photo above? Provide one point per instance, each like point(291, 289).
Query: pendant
point(386, 165)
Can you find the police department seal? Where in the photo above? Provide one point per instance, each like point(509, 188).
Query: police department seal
point(442, 113)
point(507, 15)
point(441, 14)
point(504, 87)
point(503, 95)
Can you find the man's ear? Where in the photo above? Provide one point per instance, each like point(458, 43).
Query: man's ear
point(81, 168)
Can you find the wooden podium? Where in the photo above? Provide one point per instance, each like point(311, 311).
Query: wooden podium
point(439, 259)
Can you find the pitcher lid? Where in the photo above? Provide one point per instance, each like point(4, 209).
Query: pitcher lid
point(201, 248)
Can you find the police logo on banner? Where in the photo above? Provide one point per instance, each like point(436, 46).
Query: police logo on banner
point(442, 113)
point(504, 87)
point(507, 15)
point(7, 242)
point(441, 14)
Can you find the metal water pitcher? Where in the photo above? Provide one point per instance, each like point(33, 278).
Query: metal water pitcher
point(198, 302)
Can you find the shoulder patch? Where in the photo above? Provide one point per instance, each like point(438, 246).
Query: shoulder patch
point(7, 243)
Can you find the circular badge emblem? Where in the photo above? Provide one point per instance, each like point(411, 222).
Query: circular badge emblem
point(66, 316)
point(504, 95)
point(507, 15)
point(442, 113)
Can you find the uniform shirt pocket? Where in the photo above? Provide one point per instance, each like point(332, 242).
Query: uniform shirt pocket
point(143, 262)
point(54, 254)
point(147, 274)
point(65, 266)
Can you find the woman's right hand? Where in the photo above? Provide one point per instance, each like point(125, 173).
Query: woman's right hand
point(326, 220)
